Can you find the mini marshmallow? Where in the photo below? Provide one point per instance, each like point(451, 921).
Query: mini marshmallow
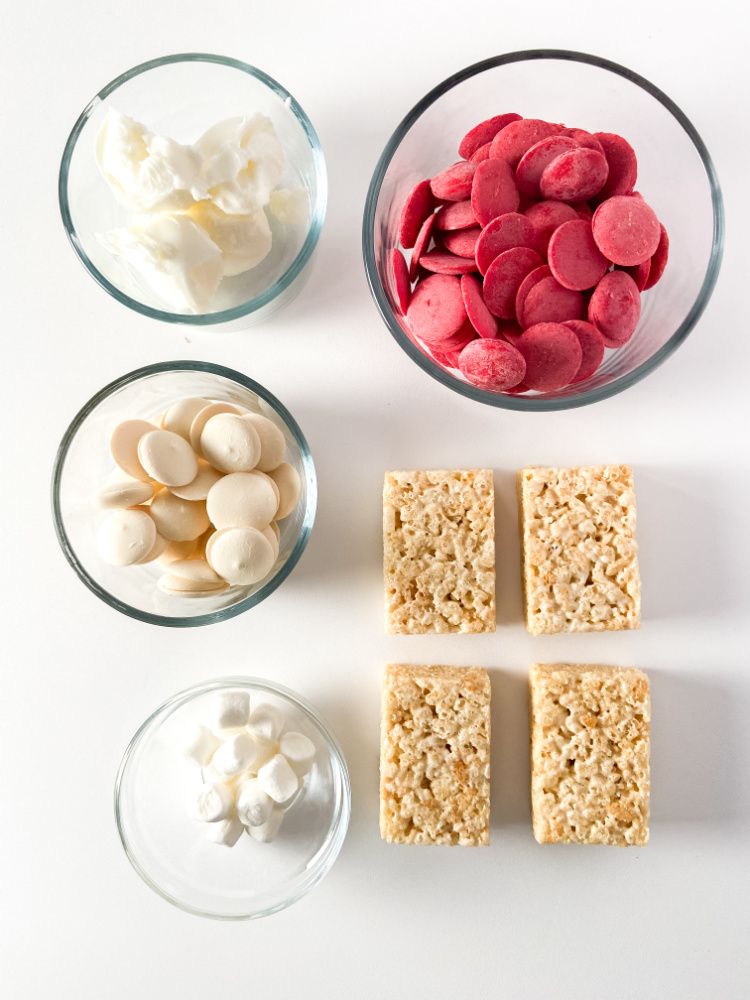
point(277, 779)
point(227, 832)
point(235, 755)
point(265, 722)
point(265, 752)
point(197, 744)
point(230, 709)
point(210, 802)
point(299, 751)
point(253, 805)
point(267, 832)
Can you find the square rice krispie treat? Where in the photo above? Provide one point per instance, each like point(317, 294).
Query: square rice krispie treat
point(439, 551)
point(590, 731)
point(578, 549)
point(435, 756)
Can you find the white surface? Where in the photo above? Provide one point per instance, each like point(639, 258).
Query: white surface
point(516, 920)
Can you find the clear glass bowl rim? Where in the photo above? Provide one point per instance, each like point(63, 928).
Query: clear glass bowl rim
point(341, 820)
point(297, 265)
point(530, 403)
point(223, 613)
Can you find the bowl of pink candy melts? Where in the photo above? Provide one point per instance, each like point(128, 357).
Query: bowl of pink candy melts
point(542, 230)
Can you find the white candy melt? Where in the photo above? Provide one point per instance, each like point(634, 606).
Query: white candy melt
point(253, 805)
point(267, 832)
point(174, 256)
point(241, 556)
point(197, 744)
point(123, 446)
point(287, 479)
point(227, 832)
point(272, 441)
point(235, 755)
point(242, 499)
point(265, 722)
point(277, 779)
point(230, 709)
point(230, 443)
point(120, 496)
point(178, 520)
point(210, 802)
point(126, 537)
point(299, 751)
point(168, 458)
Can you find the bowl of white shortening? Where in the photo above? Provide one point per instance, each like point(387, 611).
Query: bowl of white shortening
point(193, 189)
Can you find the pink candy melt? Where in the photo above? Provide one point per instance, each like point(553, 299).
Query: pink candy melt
point(504, 277)
point(400, 271)
point(419, 204)
point(457, 215)
point(447, 263)
point(553, 356)
point(615, 308)
point(494, 191)
point(531, 279)
point(658, 261)
point(504, 233)
point(422, 242)
point(436, 311)
point(549, 302)
point(484, 133)
point(515, 139)
point(575, 259)
point(462, 242)
point(623, 166)
point(492, 364)
point(626, 230)
point(534, 161)
point(454, 184)
point(479, 315)
point(592, 347)
point(574, 176)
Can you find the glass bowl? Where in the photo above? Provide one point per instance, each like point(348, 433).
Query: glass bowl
point(181, 96)
point(83, 464)
point(251, 879)
point(675, 176)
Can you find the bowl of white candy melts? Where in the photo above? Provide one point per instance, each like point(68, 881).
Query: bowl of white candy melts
point(183, 493)
point(233, 799)
point(193, 190)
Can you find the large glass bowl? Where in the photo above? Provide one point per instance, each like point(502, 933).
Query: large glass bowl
point(181, 96)
point(83, 464)
point(249, 880)
point(675, 176)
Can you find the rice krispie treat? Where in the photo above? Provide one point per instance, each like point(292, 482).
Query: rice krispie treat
point(578, 549)
point(435, 756)
point(590, 731)
point(439, 551)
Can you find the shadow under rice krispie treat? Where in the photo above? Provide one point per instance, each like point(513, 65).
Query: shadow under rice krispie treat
point(439, 551)
point(578, 549)
point(435, 756)
point(590, 738)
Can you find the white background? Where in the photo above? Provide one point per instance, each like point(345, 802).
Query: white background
point(516, 920)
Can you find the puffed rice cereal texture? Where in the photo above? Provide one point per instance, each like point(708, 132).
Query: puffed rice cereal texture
point(439, 551)
point(590, 738)
point(435, 755)
point(578, 549)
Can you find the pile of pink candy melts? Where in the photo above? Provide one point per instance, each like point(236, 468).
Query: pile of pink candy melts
point(529, 255)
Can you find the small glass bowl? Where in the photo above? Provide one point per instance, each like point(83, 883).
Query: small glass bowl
point(83, 464)
point(675, 176)
point(181, 96)
point(249, 880)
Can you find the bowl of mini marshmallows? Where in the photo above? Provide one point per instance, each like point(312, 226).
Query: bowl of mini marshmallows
point(232, 800)
point(542, 230)
point(183, 493)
